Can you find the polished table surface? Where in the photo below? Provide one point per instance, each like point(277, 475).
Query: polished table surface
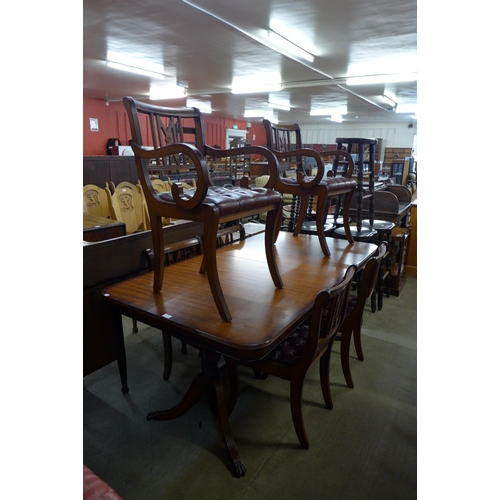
point(262, 315)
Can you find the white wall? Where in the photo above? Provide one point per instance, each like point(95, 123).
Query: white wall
point(394, 135)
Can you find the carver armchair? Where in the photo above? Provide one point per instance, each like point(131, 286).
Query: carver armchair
point(286, 143)
point(172, 139)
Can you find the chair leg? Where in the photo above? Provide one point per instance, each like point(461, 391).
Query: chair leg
point(167, 350)
point(320, 223)
point(272, 219)
point(210, 246)
point(324, 371)
point(302, 214)
point(357, 341)
point(158, 253)
point(296, 386)
point(344, 357)
point(345, 215)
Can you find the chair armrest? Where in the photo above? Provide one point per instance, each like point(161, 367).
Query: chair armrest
point(346, 155)
point(272, 161)
point(199, 162)
point(301, 176)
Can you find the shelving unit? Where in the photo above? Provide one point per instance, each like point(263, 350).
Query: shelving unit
point(398, 162)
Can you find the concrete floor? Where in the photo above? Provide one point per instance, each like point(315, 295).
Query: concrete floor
point(365, 448)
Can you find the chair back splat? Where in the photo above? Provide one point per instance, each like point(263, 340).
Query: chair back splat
point(286, 143)
point(308, 343)
point(172, 139)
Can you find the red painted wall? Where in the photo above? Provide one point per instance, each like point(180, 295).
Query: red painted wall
point(113, 123)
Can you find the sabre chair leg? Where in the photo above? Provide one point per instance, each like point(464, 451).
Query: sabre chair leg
point(269, 240)
point(296, 387)
point(158, 253)
point(344, 357)
point(210, 247)
point(320, 223)
point(357, 341)
point(324, 370)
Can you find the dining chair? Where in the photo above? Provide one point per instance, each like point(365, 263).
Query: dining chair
point(286, 143)
point(166, 139)
point(309, 343)
point(351, 325)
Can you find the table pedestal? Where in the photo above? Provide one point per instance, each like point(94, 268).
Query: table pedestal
point(210, 382)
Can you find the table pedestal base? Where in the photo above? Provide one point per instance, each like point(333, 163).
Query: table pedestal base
point(210, 382)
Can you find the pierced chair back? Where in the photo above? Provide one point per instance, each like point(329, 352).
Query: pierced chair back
point(285, 142)
point(166, 139)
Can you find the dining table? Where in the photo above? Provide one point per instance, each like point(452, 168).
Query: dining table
point(262, 315)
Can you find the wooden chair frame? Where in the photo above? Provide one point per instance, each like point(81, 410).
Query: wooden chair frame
point(280, 142)
point(354, 319)
point(327, 315)
point(168, 128)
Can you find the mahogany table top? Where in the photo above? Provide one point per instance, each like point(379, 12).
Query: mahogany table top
point(262, 314)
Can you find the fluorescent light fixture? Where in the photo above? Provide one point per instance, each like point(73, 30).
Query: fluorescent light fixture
point(388, 100)
point(166, 92)
point(133, 69)
point(394, 78)
point(253, 89)
point(203, 106)
point(283, 45)
point(258, 113)
point(406, 108)
point(278, 105)
point(336, 118)
point(329, 111)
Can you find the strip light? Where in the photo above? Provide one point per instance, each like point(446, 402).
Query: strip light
point(203, 106)
point(166, 92)
point(286, 45)
point(253, 89)
point(394, 78)
point(330, 111)
point(133, 69)
point(277, 105)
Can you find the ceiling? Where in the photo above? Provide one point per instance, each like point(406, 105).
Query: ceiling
point(209, 44)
